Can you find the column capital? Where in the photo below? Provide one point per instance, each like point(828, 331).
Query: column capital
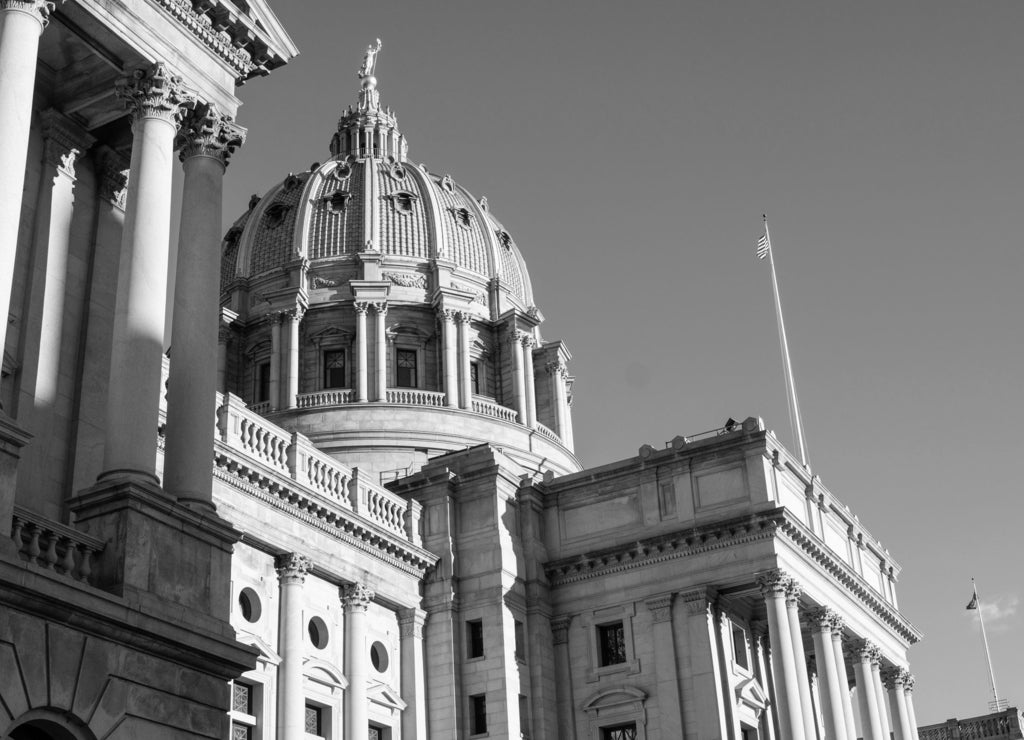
point(560, 628)
point(361, 307)
point(865, 650)
point(411, 621)
point(463, 317)
point(698, 600)
point(64, 141)
point(274, 317)
point(661, 607)
point(824, 619)
point(793, 592)
point(209, 133)
point(556, 368)
point(908, 680)
point(112, 176)
point(446, 314)
point(355, 596)
point(294, 314)
point(39, 9)
point(292, 567)
point(380, 307)
point(892, 678)
point(153, 92)
point(774, 582)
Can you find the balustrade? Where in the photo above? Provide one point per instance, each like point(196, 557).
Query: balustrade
point(324, 398)
point(490, 408)
point(54, 546)
point(415, 397)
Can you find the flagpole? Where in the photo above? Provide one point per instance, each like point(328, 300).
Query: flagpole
point(794, 408)
point(995, 705)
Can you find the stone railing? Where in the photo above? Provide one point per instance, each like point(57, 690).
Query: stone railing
point(324, 398)
point(545, 432)
point(54, 546)
point(415, 397)
point(262, 407)
point(1003, 725)
point(490, 408)
point(292, 455)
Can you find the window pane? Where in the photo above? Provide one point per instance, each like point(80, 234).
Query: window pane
point(474, 377)
point(611, 643)
point(619, 732)
point(475, 638)
point(334, 369)
point(241, 732)
point(405, 376)
point(241, 698)
point(478, 714)
point(262, 390)
point(312, 720)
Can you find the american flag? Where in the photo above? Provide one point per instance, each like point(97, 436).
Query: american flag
point(763, 247)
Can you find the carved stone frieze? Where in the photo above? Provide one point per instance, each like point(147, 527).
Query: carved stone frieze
point(410, 622)
point(560, 629)
point(661, 607)
point(292, 567)
point(153, 92)
point(356, 596)
point(406, 280)
point(207, 132)
point(322, 282)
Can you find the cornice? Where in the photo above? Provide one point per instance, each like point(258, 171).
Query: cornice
point(219, 41)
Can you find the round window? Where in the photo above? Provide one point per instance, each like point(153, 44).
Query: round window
point(318, 634)
point(379, 657)
point(249, 605)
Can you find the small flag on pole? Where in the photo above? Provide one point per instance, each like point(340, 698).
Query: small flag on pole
point(763, 247)
point(973, 604)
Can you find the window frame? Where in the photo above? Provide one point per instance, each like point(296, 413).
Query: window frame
point(477, 714)
point(597, 618)
point(415, 354)
point(471, 642)
point(324, 374)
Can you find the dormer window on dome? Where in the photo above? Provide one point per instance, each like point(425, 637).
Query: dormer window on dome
point(275, 215)
point(504, 239)
point(462, 217)
point(338, 200)
point(402, 201)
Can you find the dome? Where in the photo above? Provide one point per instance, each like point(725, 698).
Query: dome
point(385, 313)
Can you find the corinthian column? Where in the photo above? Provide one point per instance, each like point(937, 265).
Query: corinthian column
point(908, 695)
point(451, 369)
point(793, 608)
point(381, 361)
point(774, 585)
point(893, 679)
point(531, 392)
point(21, 24)
point(870, 721)
point(275, 319)
point(876, 681)
point(466, 396)
point(360, 307)
point(356, 600)
point(291, 706)
point(291, 381)
point(520, 377)
point(157, 100)
point(207, 141)
point(825, 662)
point(844, 676)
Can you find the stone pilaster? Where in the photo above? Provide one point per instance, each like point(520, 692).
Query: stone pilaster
point(665, 665)
point(275, 320)
point(356, 598)
point(291, 707)
point(414, 690)
point(206, 141)
point(158, 101)
point(563, 674)
point(774, 587)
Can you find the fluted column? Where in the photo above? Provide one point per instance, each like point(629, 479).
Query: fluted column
point(207, 141)
point(291, 705)
point(867, 697)
point(360, 307)
point(892, 679)
point(828, 676)
point(844, 677)
point(275, 320)
point(463, 318)
point(157, 100)
point(356, 600)
point(451, 369)
point(381, 360)
point(21, 24)
point(876, 681)
point(774, 585)
point(516, 346)
point(793, 609)
point(414, 717)
point(291, 381)
point(908, 697)
point(563, 677)
point(531, 391)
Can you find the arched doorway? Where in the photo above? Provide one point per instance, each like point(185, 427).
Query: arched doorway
point(42, 724)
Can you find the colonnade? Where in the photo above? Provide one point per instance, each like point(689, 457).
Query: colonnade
point(795, 706)
point(355, 598)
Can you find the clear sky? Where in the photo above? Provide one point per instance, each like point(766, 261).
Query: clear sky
point(631, 147)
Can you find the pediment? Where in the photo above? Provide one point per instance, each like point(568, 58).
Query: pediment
point(750, 694)
point(273, 32)
point(325, 673)
point(615, 697)
point(380, 693)
point(331, 334)
point(267, 654)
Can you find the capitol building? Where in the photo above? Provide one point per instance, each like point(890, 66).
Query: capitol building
point(346, 504)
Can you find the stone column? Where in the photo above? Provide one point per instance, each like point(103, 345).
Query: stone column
point(531, 392)
point(291, 705)
point(876, 681)
point(844, 677)
point(291, 381)
point(356, 600)
point(451, 368)
point(893, 679)
point(224, 337)
point(381, 360)
point(793, 608)
point(759, 633)
point(157, 100)
point(207, 140)
point(519, 377)
point(671, 715)
point(563, 677)
point(774, 585)
point(414, 690)
point(908, 696)
point(556, 372)
point(21, 24)
point(870, 722)
point(360, 308)
point(275, 320)
point(828, 677)
point(466, 395)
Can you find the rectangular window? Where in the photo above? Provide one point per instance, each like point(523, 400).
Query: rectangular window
point(520, 642)
point(477, 714)
point(243, 711)
point(739, 646)
point(334, 369)
point(314, 720)
point(475, 638)
point(524, 717)
point(261, 383)
point(378, 732)
point(474, 377)
point(619, 732)
point(405, 368)
point(611, 643)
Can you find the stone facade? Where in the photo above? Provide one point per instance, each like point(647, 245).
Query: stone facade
point(385, 532)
